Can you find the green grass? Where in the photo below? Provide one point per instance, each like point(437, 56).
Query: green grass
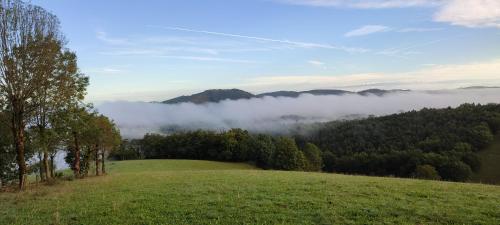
point(490, 164)
point(201, 192)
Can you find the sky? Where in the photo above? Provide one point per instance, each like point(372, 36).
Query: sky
point(153, 50)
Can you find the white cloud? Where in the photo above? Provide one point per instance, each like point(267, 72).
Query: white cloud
point(418, 29)
point(110, 70)
point(207, 59)
point(431, 77)
point(470, 13)
point(366, 30)
point(103, 36)
point(365, 4)
point(316, 63)
point(265, 39)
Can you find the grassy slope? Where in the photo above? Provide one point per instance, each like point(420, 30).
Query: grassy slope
point(200, 192)
point(490, 168)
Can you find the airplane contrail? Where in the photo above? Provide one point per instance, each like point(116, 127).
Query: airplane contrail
point(295, 43)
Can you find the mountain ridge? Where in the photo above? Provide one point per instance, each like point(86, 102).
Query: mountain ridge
point(217, 95)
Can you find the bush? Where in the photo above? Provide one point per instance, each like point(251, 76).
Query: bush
point(427, 172)
point(314, 162)
point(328, 161)
point(287, 155)
point(59, 174)
point(473, 161)
point(264, 150)
point(455, 171)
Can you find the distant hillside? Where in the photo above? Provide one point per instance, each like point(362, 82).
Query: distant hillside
point(480, 87)
point(217, 95)
point(294, 94)
point(214, 95)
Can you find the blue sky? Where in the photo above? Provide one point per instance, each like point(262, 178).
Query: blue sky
point(154, 50)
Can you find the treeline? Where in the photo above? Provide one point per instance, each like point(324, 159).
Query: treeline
point(427, 144)
point(235, 145)
point(41, 99)
point(430, 143)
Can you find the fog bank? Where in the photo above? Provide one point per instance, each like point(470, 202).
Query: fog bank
point(271, 114)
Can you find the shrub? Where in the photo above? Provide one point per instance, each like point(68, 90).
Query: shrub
point(314, 162)
point(59, 174)
point(455, 171)
point(427, 172)
point(287, 155)
point(328, 161)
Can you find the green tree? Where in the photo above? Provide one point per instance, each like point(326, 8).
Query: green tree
point(313, 157)
point(455, 171)
point(426, 172)
point(264, 151)
point(24, 32)
point(287, 155)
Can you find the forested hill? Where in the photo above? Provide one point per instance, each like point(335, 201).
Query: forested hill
point(214, 95)
point(429, 144)
point(445, 141)
point(217, 95)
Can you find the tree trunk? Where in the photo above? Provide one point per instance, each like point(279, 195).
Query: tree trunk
point(52, 156)
point(103, 168)
point(76, 163)
point(45, 161)
point(97, 160)
point(21, 162)
point(46, 165)
point(40, 166)
point(18, 131)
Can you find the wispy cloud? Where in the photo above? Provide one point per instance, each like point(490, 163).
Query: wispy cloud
point(406, 50)
point(209, 59)
point(103, 36)
point(366, 30)
point(431, 76)
point(109, 70)
point(418, 29)
point(316, 63)
point(365, 4)
point(265, 39)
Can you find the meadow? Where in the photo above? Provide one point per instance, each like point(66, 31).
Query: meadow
point(205, 192)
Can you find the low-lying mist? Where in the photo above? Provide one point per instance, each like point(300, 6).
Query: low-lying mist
point(277, 115)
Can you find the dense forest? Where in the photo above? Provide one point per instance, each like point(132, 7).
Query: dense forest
point(235, 145)
point(42, 108)
point(428, 144)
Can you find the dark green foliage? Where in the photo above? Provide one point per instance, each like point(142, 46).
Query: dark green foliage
point(329, 160)
point(313, 156)
point(263, 151)
point(402, 145)
point(472, 160)
point(128, 150)
point(397, 144)
point(287, 155)
point(426, 172)
point(7, 157)
point(455, 171)
point(234, 145)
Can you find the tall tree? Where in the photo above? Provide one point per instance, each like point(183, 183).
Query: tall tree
point(64, 88)
point(108, 139)
point(75, 125)
point(24, 30)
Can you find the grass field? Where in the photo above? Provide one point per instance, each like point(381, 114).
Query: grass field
point(201, 192)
